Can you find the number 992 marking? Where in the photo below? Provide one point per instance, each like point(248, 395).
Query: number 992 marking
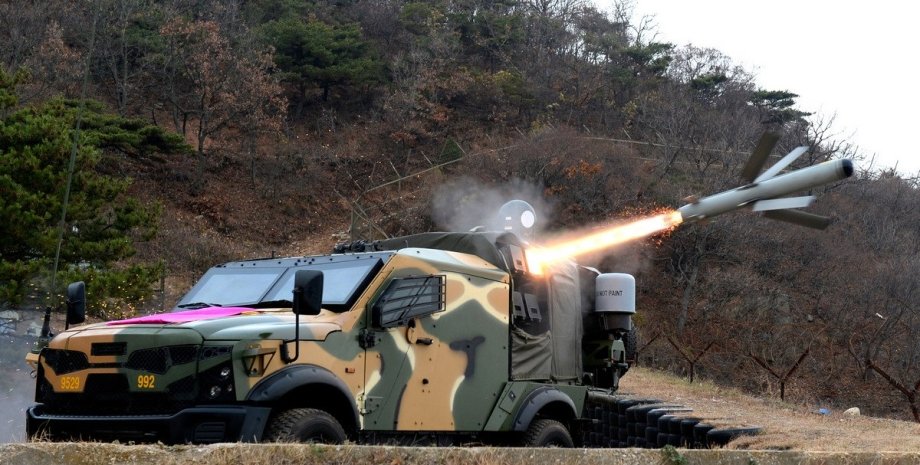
point(146, 381)
point(70, 383)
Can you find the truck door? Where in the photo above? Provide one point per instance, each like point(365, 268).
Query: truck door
point(441, 353)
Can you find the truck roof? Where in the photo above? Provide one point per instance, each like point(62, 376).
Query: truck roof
point(288, 262)
point(481, 244)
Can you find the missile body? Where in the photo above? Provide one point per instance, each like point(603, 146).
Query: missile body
point(763, 195)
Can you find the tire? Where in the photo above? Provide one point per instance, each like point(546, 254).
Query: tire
point(547, 433)
point(719, 437)
point(699, 435)
point(630, 340)
point(305, 425)
point(630, 343)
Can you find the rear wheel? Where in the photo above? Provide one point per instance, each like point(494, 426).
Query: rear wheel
point(630, 344)
point(630, 340)
point(547, 433)
point(305, 425)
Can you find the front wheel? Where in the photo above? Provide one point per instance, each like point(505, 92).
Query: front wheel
point(547, 433)
point(305, 425)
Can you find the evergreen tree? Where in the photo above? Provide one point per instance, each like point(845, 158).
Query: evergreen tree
point(777, 106)
point(102, 221)
point(311, 53)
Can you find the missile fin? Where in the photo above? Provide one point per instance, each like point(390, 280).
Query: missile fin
point(799, 217)
point(759, 156)
point(786, 161)
point(783, 203)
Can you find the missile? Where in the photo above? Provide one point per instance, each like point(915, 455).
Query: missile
point(766, 193)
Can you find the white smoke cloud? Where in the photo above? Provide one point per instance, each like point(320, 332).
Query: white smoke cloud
point(466, 203)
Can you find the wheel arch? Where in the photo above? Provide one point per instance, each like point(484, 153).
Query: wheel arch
point(547, 402)
point(308, 386)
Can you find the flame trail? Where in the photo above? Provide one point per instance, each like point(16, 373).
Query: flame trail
point(539, 257)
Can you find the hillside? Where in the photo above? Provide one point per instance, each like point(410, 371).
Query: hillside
point(214, 131)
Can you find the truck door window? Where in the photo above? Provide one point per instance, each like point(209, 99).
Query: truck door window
point(408, 298)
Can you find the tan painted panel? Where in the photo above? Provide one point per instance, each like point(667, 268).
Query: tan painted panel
point(425, 404)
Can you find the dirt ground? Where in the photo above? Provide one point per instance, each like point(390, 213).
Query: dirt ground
point(785, 426)
point(306, 454)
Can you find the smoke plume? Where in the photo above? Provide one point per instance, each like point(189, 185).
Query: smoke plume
point(465, 203)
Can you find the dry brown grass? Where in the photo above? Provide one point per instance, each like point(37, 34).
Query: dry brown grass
point(785, 426)
point(300, 454)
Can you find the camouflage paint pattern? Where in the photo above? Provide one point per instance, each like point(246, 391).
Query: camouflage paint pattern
point(135, 338)
point(399, 384)
point(451, 384)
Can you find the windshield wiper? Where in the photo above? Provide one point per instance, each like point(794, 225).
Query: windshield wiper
point(197, 305)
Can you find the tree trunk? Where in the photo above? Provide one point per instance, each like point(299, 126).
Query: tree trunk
point(685, 300)
point(301, 97)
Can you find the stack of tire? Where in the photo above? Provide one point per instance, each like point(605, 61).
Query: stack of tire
point(649, 423)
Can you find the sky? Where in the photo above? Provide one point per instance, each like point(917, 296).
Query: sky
point(853, 60)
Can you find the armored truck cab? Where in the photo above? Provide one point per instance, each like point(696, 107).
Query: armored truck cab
point(438, 337)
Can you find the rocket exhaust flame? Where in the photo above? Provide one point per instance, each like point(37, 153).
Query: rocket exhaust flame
point(765, 193)
point(539, 258)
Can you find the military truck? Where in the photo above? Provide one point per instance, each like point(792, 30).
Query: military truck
point(436, 338)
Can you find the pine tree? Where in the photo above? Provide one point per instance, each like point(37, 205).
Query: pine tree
point(313, 53)
point(103, 222)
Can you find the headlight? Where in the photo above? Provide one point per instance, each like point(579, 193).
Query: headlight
point(215, 383)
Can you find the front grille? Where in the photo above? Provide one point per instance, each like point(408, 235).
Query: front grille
point(183, 354)
point(151, 360)
point(108, 394)
point(65, 361)
point(159, 359)
point(107, 388)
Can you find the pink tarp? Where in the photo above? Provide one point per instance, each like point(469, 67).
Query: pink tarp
point(207, 313)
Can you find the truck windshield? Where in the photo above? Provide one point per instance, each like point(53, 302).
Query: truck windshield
point(340, 281)
point(227, 287)
point(232, 286)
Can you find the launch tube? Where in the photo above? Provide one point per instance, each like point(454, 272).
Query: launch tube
point(795, 181)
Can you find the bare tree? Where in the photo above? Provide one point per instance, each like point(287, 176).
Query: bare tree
point(216, 85)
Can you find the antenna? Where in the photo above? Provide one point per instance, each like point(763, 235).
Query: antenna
point(73, 159)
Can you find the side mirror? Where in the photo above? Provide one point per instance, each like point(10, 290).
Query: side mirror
point(308, 300)
point(76, 303)
point(308, 292)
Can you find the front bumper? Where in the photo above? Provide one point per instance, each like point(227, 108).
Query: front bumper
point(198, 425)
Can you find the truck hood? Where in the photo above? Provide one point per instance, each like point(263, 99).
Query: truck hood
point(244, 324)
